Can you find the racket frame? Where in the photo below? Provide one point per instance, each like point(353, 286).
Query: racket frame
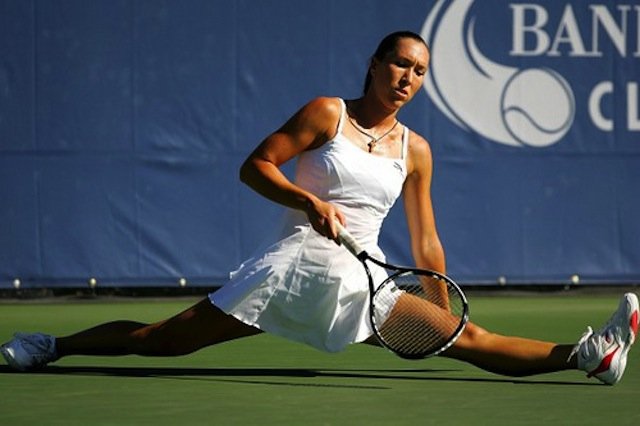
point(363, 256)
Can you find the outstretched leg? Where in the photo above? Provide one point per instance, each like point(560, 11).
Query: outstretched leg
point(512, 356)
point(601, 354)
point(431, 322)
point(201, 325)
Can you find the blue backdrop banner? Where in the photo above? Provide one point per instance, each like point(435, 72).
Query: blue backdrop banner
point(123, 124)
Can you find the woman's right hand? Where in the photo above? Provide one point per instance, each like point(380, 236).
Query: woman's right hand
point(322, 216)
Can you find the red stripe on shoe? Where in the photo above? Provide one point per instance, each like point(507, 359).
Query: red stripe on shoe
point(605, 364)
point(633, 323)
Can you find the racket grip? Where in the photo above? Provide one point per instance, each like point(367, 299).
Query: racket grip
point(348, 240)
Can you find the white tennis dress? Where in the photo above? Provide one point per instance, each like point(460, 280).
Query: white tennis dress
point(305, 287)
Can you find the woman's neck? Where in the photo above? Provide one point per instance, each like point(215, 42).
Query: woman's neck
point(370, 113)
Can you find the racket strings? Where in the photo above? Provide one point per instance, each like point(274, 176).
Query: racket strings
point(417, 315)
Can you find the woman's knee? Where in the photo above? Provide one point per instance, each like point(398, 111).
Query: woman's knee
point(473, 334)
point(471, 338)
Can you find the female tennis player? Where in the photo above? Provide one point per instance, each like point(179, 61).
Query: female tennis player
point(354, 158)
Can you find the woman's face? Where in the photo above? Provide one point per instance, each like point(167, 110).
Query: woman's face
point(399, 76)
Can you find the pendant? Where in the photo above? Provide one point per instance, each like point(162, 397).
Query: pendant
point(372, 144)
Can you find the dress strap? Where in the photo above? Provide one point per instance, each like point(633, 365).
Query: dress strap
point(342, 116)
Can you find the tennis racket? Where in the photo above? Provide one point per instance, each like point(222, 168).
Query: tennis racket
point(415, 313)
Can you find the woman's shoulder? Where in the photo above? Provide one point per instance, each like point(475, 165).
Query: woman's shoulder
point(417, 143)
point(322, 115)
point(325, 106)
point(419, 151)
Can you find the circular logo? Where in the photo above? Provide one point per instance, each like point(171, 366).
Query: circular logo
point(533, 107)
point(537, 107)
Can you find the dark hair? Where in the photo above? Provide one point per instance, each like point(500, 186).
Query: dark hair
point(386, 46)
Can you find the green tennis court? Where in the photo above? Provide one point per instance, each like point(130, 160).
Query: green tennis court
point(266, 380)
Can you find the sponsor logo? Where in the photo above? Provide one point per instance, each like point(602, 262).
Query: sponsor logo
point(398, 167)
point(532, 106)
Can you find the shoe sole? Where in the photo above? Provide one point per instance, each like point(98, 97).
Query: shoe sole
point(632, 299)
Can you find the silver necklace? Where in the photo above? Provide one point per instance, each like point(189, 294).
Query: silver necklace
point(372, 143)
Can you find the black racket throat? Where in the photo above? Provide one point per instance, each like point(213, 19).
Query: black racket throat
point(363, 256)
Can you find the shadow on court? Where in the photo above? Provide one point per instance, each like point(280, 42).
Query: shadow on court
point(250, 375)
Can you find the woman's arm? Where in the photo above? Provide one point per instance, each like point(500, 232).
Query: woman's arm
point(425, 244)
point(309, 128)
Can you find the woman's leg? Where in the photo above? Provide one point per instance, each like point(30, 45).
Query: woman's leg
point(201, 325)
point(601, 354)
point(512, 356)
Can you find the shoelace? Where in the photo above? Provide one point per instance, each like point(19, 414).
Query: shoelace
point(583, 339)
point(608, 332)
point(611, 323)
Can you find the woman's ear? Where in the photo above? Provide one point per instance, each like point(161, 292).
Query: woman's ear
point(372, 66)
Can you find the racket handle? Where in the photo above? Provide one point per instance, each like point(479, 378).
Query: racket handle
point(348, 240)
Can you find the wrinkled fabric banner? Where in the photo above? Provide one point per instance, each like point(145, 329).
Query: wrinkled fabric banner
point(123, 124)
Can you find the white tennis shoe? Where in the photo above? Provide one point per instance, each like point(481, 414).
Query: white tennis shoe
point(603, 354)
point(29, 351)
